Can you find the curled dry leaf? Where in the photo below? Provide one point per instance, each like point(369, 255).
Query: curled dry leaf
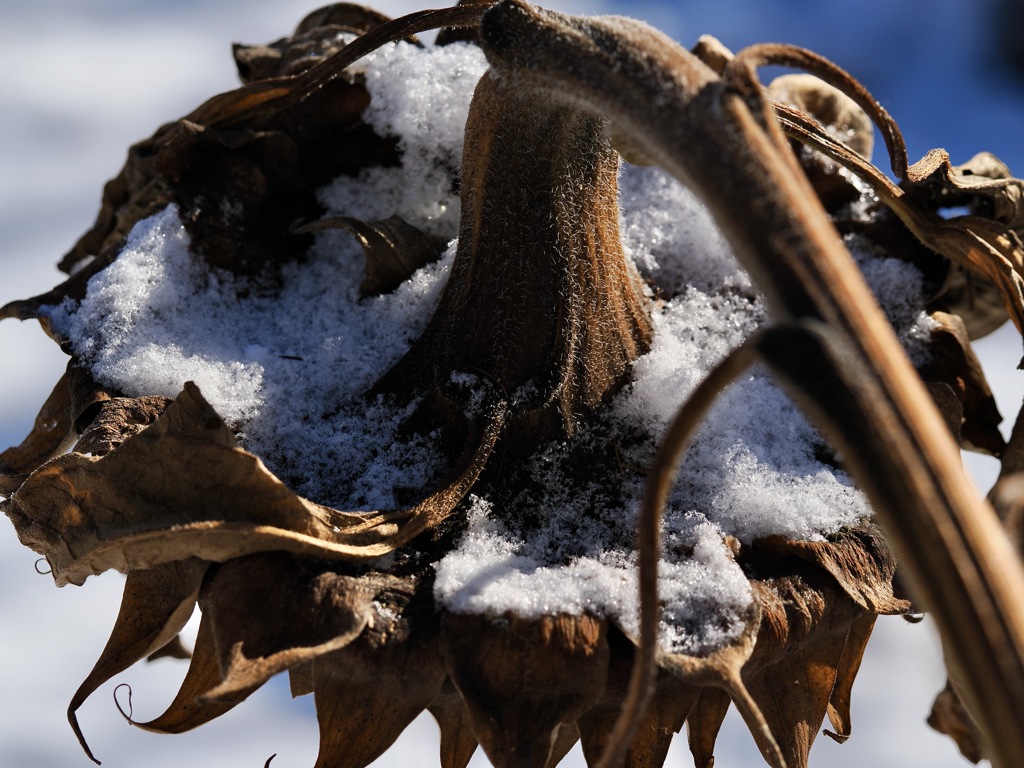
point(394, 249)
point(949, 716)
point(538, 328)
point(985, 242)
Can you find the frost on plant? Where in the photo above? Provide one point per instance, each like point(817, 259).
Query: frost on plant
point(376, 358)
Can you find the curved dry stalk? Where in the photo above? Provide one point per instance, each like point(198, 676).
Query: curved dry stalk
point(659, 484)
point(741, 72)
point(274, 93)
point(724, 142)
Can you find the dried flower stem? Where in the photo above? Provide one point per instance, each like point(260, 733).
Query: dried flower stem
point(661, 478)
point(721, 138)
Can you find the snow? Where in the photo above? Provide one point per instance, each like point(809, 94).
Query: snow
point(50, 194)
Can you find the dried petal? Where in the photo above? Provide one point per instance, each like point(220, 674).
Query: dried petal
point(949, 716)
point(713, 52)
point(704, 723)
point(829, 106)
point(859, 558)
point(315, 38)
point(369, 691)
point(116, 420)
point(87, 514)
point(846, 673)
point(523, 679)
point(984, 184)
point(155, 605)
point(458, 742)
point(191, 707)
point(793, 671)
point(984, 243)
point(315, 612)
point(952, 361)
point(394, 249)
point(669, 708)
point(50, 431)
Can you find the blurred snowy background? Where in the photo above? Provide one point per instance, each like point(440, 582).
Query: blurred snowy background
point(80, 80)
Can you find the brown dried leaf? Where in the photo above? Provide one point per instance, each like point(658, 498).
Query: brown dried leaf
point(523, 679)
point(127, 510)
point(849, 665)
point(983, 243)
point(315, 612)
point(952, 361)
point(71, 406)
point(971, 297)
point(793, 671)
point(566, 736)
point(859, 558)
point(87, 395)
point(369, 691)
point(155, 605)
point(312, 118)
point(118, 419)
point(829, 106)
point(840, 116)
point(175, 649)
point(300, 679)
point(984, 184)
point(1007, 495)
point(949, 716)
point(315, 38)
point(191, 706)
point(257, 177)
point(703, 724)
point(49, 434)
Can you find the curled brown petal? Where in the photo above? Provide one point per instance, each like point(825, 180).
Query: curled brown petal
point(740, 73)
point(51, 429)
point(316, 612)
point(458, 742)
point(703, 724)
point(670, 706)
point(849, 665)
point(87, 515)
point(191, 707)
point(155, 605)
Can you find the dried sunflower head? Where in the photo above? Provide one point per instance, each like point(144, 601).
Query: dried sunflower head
point(409, 473)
